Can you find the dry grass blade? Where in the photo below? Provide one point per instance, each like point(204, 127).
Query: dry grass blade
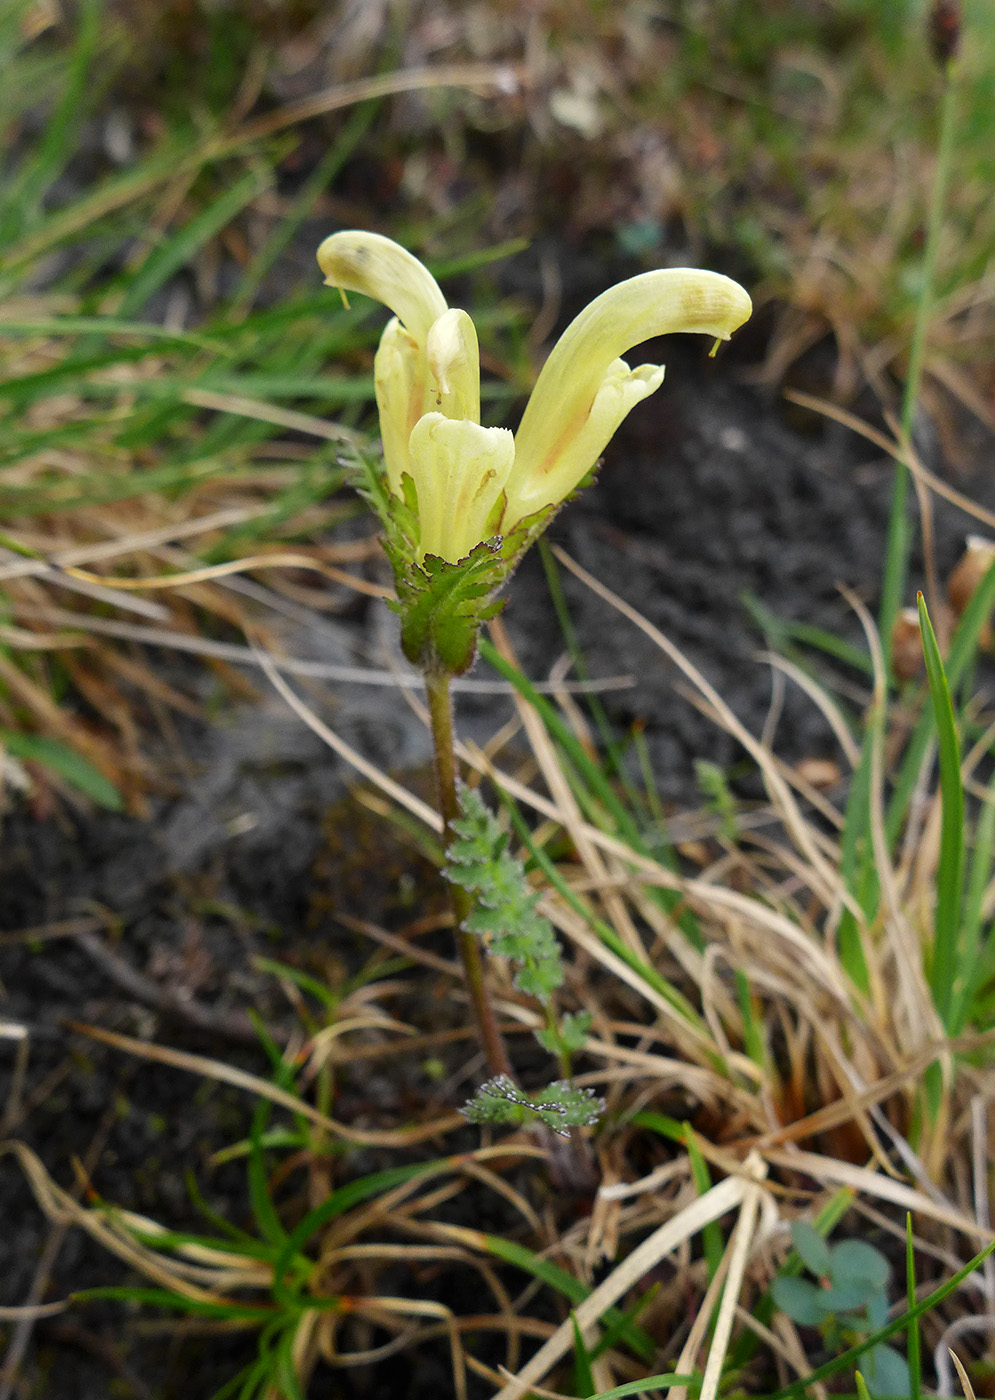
point(262, 1088)
point(962, 1375)
point(663, 1241)
point(490, 78)
point(737, 1254)
point(289, 418)
point(823, 876)
point(896, 450)
point(393, 790)
point(832, 1171)
point(276, 560)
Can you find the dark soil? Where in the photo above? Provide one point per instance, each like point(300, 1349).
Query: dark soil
point(709, 492)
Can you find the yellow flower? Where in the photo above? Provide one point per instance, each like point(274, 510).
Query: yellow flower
point(474, 483)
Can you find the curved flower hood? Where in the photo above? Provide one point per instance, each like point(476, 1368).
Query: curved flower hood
point(473, 483)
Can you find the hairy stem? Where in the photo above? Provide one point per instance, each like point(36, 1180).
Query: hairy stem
point(441, 712)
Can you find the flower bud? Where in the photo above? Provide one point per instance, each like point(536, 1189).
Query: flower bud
point(944, 30)
point(974, 563)
point(906, 645)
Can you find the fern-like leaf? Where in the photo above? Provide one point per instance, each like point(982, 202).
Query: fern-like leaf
point(561, 1106)
point(506, 905)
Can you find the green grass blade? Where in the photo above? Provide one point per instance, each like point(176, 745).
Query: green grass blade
point(963, 650)
point(782, 633)
point(111, 325)
point(857, 865)
point(578, 762)
point(285, 1372)
point(570, 1287)
point(179, 1302)
point(972, 960)
point(660, 1123)
point(168, 257)
point(594, 702)
point(662, 1382)
point(612, 1330)
point(753, 1034)
point(263, 1210)
point(72, 767)
point(583, 1375)
point(899, 539)
point(337, 1204)
point(24, 193)
point(950, 874)
point(713, 1244)
point(320, 180)
point(604, 931)
point(914, 1348)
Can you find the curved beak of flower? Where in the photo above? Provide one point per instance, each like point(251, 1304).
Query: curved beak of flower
point(585, 391)
point(380, 268)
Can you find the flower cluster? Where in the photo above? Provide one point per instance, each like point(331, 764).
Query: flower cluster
point(469, 483)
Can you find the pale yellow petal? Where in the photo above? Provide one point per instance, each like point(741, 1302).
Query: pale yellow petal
point(382, 269)
point(399, 379)
point(621, 389)
point(454, 367)
point(459, 470)
point(652, 304)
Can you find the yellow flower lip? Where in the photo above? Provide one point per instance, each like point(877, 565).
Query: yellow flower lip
point(472, 482)
point(584, 390)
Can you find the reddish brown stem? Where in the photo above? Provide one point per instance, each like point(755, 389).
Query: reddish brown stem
point(441, 712)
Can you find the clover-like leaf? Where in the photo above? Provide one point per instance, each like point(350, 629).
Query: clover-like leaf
point(800, 1299)
point(886, 1373)
point(851, 1260)
point(811, 1248)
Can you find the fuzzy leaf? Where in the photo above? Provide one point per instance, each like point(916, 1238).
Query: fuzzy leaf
point(569, 1036)
point(506, 905)
point(560, 1106)
point(442, 605)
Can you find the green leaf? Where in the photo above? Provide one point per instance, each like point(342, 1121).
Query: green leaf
point(561, 1105)
point(568, 1036)
point(856, 1260)
point(800, 1299)
point(886, 1373)
point(662, 1382)
point(67, 763)
point(442, 605)
point(812, 1248)
point(898, 1324)
point(950, 873)
point(583, 1375)
point(478, 860)
point(850, 1296)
